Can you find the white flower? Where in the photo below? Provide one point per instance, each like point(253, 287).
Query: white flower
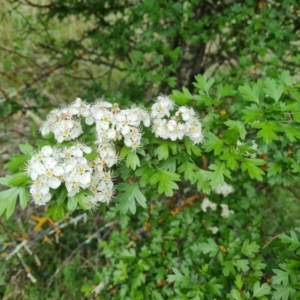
point(224, 189)
point(186, 113)
point(213, 229)
point(206, 203)
point(225, 213)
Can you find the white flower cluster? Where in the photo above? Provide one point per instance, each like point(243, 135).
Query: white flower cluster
point(53, 166)
point(225, 211)
point(111, 122)
point(183, 123)
point(224, 189)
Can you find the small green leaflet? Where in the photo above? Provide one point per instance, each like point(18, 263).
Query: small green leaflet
point(260, 290)
point(203, 84)
point(188, 169)
point(239, 282)
point(274, 169)
point(272, 89)
point(145, 172)
point(203, 178)
point(250, 93)
point(8, 199)
point(132, 160)
point(162, 151)
point(16, 162)
point(23, 197)
point(27, 149)
point(252, 113)
point(286, 78)
point(56, 212)
point(228, 268)
point(250, 165)
point(283, 292)
point(238, 126)
point(181, 98)
point(166, 181)
point(292, 132)
point(217, 176)
point(236, 295)
point(190, 147)
point(241, 264)
point(250, 249)
point(213, 143)
point(177, 277)
point(19, 179)
point(128, 195)
point(281, 277)
point(267, 131)
point(231, 159)
point(210, 247)
point(225, 91)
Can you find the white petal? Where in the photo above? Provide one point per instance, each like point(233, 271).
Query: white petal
point(46, 151)
point(58, 171)
point(54, 182)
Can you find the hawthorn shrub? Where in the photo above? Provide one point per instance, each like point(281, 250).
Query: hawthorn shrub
point(188, 181)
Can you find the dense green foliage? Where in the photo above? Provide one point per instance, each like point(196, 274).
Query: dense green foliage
point(156, 239)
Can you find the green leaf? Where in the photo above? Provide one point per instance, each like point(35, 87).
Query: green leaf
point(16, 162)
point(129, 194)
point(267, 131)
point(261, 290)
point(91, 156)
point(203, 179)
point(145, 172)
point(5, 180)
point(9, 199)
point(252, 113)
point(250, 165)
point(281, 277)
point(272, 89)
point(250, 93)
point(72, 202)
point(132, 159)
point(203, 84)
point(162, 151)
point(292, 132)
point(238, 126)
point(188, 169)
point(235, 294)
point(181, 98)
point(177, 277)
point(56, 212)
point(27, 149)
point(23, 196)
point(217, 177)
point(19, 179)
point(241, 265)
point(283, 293)
point(250, 249)
point(191, 148)
point(225, 91)
point(210, 247)
point(274, 169)
point(228, 268)
point(166, 181)
point(239, 282)
point(60, 195)
point(286, 78)
point(231, 160)
point(213, 143)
